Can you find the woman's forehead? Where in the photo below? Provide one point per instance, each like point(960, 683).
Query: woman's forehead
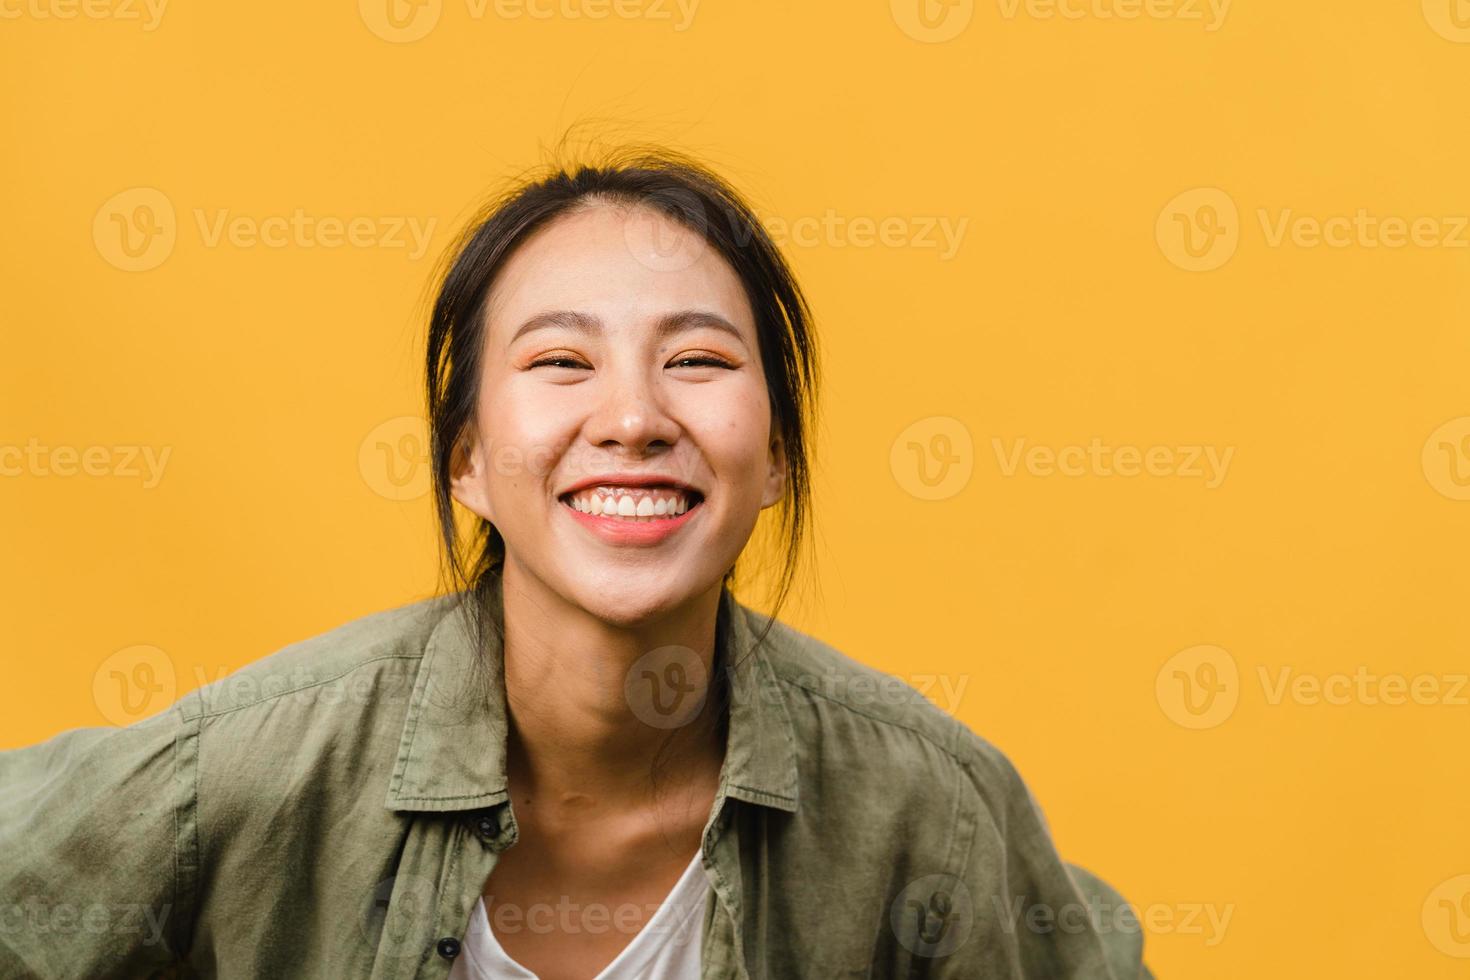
point(622, 265)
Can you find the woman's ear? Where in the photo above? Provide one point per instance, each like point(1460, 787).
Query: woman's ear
point(775, 473)
point(467, 471)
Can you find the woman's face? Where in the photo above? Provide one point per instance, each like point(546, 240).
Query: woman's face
point(621, 373)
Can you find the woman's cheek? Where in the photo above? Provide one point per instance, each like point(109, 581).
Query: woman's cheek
point(526, 426)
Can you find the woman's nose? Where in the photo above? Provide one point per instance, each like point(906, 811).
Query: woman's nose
point(630, 412)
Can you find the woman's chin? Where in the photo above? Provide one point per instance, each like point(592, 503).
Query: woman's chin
point(635, 609)
point(630, 601)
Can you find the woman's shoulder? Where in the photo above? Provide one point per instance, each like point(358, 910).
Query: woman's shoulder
point(907, 799)
point(889, 727)
point(310, 730)
point(327, 667)
point(321, 717)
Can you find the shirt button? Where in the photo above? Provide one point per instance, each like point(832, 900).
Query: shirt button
point(449, 947)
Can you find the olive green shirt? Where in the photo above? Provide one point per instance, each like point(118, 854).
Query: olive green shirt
point(334, 809)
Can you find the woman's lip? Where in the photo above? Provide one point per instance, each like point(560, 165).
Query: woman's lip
point(618, 531)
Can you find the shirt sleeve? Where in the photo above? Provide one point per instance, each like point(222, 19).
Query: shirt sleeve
point(98, 868)
point(1119, 929)
point(1012, 907)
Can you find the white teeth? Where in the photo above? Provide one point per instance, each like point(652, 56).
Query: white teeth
point(638, 505)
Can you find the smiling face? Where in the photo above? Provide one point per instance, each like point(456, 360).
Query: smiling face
point(621, 374)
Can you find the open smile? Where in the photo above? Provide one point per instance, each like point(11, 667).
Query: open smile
point(632, 515)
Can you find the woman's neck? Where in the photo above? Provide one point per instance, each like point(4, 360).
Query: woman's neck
point(583, 736)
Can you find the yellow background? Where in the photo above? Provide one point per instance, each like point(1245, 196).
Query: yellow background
point(1059, 606)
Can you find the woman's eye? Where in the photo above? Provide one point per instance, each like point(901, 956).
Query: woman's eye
point(570, 362)
point(700, 360)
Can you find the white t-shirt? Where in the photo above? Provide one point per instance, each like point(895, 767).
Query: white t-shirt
point(666, 948)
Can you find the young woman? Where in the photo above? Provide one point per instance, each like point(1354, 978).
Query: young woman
point(585, 759)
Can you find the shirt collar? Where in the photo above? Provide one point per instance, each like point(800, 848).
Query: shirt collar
point(452, 751)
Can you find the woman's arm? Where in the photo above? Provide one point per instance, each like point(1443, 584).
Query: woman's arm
point(1012, 907)
point(98, 861)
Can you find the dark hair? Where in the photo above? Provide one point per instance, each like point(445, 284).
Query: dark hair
point(688, 192)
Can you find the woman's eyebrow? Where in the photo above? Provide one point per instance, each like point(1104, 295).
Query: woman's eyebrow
point(669, 323)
